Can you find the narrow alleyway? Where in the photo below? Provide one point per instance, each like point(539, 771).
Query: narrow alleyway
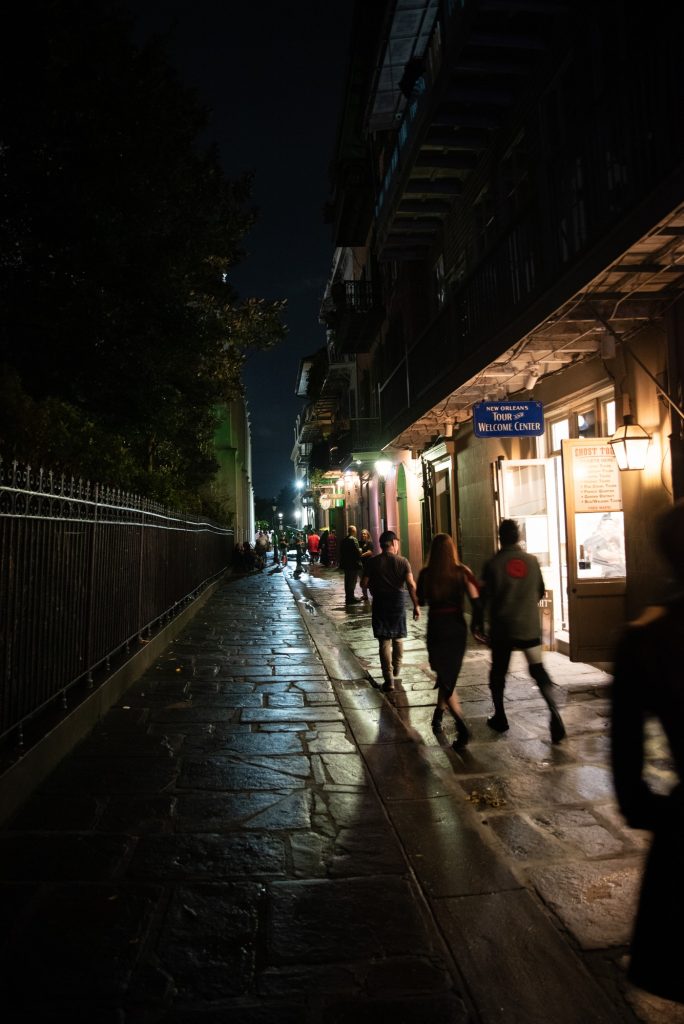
point(257, 834)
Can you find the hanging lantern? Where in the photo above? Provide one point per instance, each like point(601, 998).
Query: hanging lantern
point(630, 445)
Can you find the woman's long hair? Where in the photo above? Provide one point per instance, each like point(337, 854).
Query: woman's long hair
point(443, 571)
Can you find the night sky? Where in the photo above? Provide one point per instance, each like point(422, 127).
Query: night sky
point(273, 75)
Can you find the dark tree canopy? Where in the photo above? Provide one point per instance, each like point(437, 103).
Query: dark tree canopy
point(120, 333)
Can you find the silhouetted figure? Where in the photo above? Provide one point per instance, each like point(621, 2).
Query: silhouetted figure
point(649, 681)
point(366, 548)
point(443, 584)
point(323, 548)
point(385, 576)
point(312, 544)
point(350, 563)
point(332, 548)
point(513, 586)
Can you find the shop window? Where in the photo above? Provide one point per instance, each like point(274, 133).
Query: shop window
point(560, 431)
point(608, 417)
point(594, 419)
point(586, 423)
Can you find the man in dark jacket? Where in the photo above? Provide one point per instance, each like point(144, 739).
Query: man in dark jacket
point(513, 588)
point(350, 563)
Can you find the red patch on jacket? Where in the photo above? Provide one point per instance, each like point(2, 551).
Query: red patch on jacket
point(516, 568)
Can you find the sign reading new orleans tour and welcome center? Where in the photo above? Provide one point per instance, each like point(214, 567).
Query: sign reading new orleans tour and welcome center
point(508, 419)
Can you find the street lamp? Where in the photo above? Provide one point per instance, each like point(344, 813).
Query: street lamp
point(630, 444)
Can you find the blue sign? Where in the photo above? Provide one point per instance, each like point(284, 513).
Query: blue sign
point(508, 419)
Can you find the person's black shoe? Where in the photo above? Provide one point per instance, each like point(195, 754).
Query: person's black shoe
point(387, 686)
point(499, 723)
point(463, 736)
point(437, 716)
point(557, 728)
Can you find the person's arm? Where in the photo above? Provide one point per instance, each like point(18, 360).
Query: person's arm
point(411, 587)
point(472, 589)
point(420, 587)
point(541, 585)
point(485, 590)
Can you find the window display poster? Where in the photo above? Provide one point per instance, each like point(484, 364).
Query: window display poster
point(596, 479)
point(600, 545)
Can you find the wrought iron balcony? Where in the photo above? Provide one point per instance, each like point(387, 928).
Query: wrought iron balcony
point(354, 311)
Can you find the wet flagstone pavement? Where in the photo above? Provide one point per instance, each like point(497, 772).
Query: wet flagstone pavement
point(257, 834)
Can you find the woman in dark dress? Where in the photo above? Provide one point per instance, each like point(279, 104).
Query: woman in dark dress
point(443, 584)
point(649, 682)
point(323, 548)
point(366, 548)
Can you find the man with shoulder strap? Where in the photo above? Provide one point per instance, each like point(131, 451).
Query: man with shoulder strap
point(513, 588)
point(386, 575)
point(350, 563)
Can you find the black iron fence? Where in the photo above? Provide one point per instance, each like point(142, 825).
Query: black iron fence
point(87, 572)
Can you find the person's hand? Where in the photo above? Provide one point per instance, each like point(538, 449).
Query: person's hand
point(416, 613)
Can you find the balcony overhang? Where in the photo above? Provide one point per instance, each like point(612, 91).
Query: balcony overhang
point(406, 38)
point(479, 69)
point(633, 292)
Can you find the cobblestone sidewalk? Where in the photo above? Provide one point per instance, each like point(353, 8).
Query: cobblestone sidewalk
point(256, 834)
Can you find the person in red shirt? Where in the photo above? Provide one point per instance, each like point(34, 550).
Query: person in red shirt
point(312, 544)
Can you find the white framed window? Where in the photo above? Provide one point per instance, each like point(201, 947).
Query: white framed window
point(560, 431)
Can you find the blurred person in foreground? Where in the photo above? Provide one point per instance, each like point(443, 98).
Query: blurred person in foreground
point(443, 584)
point(649, 682)
point(386, 575)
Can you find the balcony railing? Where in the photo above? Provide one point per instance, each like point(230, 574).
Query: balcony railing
point(354, 313)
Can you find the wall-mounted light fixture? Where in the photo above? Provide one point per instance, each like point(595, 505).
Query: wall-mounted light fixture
point(533, 375)
point(630, 444)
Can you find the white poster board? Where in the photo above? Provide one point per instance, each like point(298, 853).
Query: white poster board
point(596, 479)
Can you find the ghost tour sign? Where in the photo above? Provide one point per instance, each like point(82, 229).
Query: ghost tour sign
point(508, 419)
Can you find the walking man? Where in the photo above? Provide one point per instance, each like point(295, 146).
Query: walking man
point(386, 575)
point(312, 545)
point(513, 587)
point(350, 563)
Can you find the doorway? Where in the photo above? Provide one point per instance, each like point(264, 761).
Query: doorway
point(530, 491)
point(569, 510)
